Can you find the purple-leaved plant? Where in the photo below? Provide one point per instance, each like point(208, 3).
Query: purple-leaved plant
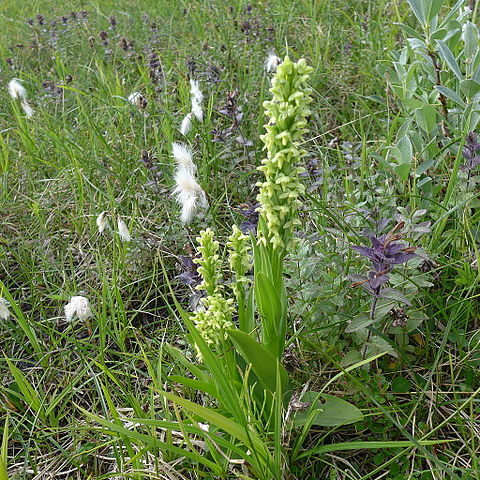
point(384, 254)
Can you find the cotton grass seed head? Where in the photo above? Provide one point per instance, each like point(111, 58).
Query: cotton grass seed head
point(195, 91)
point(77, 306)
point(186, 125)
point(29, 111)
point(197, 110)
point(137, 99)
point(272, 62)
point(4, 311)
point(189, 194)
point(102, 222)
point(17, 90)
point(183, 155)
point(123, 230)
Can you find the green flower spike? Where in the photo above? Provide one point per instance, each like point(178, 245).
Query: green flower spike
point(239, 259)
point(280, 192)
point(215, 313)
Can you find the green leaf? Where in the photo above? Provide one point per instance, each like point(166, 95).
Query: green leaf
point(335, 447)
point(447, 92)
point(206, 387)
point(401, 385)
point(243, 434)
point(333, 412)
point(403, 171)
point(449, 59)
point(358, 322)
point(433, 7)
point(4, 451)
point(418, 7)
point(409, 30)
point(426, 117)
point(263, 363)
point(393, 294)
point(404, 146)
point(471, 39)
point(469, 88)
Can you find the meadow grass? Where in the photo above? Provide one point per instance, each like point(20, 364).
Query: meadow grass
point(80, 154)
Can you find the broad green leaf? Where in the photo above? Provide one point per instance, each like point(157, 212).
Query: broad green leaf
point(403, 171)
point(333, 412)
point(426, 117)
point(263, 363)
point(393, 294)
point(450, 94)
point(358, 322)
point(433, 7)
point(418, 7)
point(404, 146)
point(449, 59)
point(190, 366)
point(469, 88)
point(471, 39)
point(267, 297)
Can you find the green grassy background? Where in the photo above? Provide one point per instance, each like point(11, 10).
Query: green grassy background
point(80, 155)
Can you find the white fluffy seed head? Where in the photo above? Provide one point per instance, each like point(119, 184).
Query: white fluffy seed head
point(195, 91)
point(183, 156)
point(186, 124)
point(78, 306)
point(137, 99)
point(4, 311)
point(29, 111)
point(189, 194)
point(123, 230)
point(272, 62)
point(197, 110)
point(17, 90)
point(102, 222)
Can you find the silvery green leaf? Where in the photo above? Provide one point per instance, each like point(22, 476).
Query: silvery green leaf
point(449, 59)
point(471, 39)
point(418, 7)
point(449, 93)
point(470, 88)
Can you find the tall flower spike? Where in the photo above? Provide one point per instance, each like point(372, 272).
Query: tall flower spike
point(209, 263)
point(280, 191)
point(239, 259)
point(215, 313)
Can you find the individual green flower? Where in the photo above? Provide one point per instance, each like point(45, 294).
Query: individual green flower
point(239, 259)
point(209, 262)
point(281, 189)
